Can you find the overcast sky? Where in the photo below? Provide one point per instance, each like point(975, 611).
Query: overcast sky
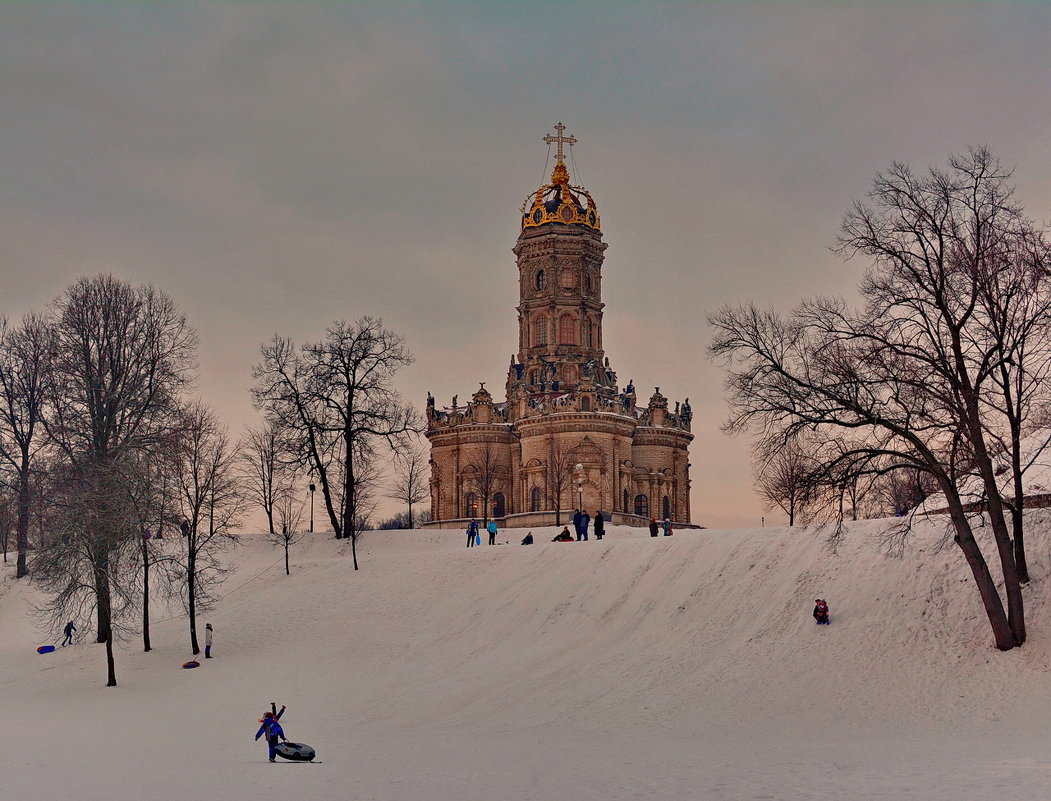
point(274, 167)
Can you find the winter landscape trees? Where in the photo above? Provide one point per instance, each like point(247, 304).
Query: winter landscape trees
point(925, 376)
point(335, 403)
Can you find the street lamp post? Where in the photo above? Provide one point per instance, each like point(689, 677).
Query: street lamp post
point(580, 486)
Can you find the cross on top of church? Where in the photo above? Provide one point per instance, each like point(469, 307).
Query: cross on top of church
point(560, 139)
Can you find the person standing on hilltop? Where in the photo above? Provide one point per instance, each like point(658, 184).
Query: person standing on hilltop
point(653, 527)
point(491, 528)
point(600, 525)
point(208, 641)
point(472, 533)
point(577, 517)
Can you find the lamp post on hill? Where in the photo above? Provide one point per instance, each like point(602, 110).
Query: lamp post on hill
point(579, 478)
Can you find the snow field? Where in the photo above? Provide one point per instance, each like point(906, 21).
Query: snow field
point(685, 667)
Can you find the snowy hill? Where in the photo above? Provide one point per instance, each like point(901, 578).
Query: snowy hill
point(673, 668)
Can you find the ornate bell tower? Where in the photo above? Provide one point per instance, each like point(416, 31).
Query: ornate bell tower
point(560, 291)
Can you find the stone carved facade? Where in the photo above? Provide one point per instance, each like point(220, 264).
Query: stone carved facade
point(517, 460)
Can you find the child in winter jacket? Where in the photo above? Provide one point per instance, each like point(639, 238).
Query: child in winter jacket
point(273, 731)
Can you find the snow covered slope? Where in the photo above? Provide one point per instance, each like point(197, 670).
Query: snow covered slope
point(685, 667)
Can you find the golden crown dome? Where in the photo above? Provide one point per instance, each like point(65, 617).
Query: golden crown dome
point(558, 201)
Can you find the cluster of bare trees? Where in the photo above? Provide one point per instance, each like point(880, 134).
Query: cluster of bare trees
point(103, 450)
point(942, 369)
point(332, 412)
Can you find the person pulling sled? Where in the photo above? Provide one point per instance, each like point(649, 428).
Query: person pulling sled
point(272, 729)
point(821, 612)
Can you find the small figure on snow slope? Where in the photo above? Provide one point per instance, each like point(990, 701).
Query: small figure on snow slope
point(272, 729)
point(68, 631)
point(821, 612)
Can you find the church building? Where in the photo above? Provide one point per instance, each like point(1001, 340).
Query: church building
point(566, 434)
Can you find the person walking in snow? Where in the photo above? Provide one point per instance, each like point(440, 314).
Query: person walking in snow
point(653, 527)
point(600, 525)
point(667, 527)
point(272, 729)
point(821, 612)
point(491, 528)
point(472, 533)
point(207, 640)
point(68, 631)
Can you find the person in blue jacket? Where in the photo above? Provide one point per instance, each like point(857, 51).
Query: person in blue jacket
point(472, 533)
point(272, 729)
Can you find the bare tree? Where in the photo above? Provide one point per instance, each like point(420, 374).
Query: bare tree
point(288, 510)
point(412, 481)
point(24, 356)
point(784, 477)
point(262, 464)
point(213, 503)
point(900, 382)
point(334, 401)
point(487, 472)
point(121, 358)
point(561, 463)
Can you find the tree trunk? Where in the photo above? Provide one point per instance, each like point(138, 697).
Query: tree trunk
point(994, 608)
point(191, 605)
point(102, 599)
point(145, 596)
point(287, 571)
point(22, 542)
point(1017, 524)
point(111, 668)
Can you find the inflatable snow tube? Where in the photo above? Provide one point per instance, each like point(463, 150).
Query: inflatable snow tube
point(297, 752)
point(45, 649)
point(191, 664)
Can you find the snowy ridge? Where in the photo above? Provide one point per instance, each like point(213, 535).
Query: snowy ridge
point(680, 667)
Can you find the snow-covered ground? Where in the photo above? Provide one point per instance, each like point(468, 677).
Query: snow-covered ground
point(686, 667)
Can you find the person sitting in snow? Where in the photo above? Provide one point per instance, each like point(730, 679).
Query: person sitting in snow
point(272, 729)
point(821, 612)
point(563, 535)
point(528, 539)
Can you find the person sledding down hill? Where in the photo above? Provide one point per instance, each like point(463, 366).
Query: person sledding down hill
point(272, 729)
point(821, 612)
point(563, 535)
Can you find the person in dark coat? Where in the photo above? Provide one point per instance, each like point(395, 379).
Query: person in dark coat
point(472, 533)
point(528, 539)
point(821, 612)
point(653, 527)
point(578, 516)
point(600, 525)
point(68, 631)
point(585, 521)
point(272, 729)
point(563, 536)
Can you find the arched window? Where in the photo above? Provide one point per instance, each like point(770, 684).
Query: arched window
point(540, 331)
point(567, 279)
point(625, 506)
point(642, 506)
point(585, 404)
point(471, 505)
point(541, 280)
point(499, 505)
point(666, 507)
point(567, 334)
point(587, 333)
point(534, 500)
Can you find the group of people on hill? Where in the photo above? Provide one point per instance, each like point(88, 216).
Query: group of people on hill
point(474, 536)
point(655, 527)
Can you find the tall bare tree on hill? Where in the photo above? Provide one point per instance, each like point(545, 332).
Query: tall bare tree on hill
point(904, 381)
point(25, 352)
point(334, 402)
point(411, 483)
point(122, 356)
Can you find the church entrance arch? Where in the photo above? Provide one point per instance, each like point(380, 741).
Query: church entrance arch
point(666, 507)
